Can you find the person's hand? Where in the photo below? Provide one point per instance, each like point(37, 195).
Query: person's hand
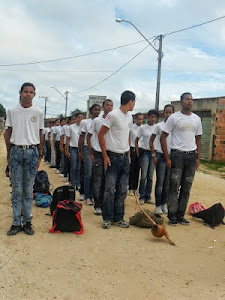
point(67, 154)
point(92, 158)
point(39, 162)
point(61, 149)
point(81, 157)
point(155, 161)
point(168, 163)
point(107, 163)
point(197, 163)
point(129, 159)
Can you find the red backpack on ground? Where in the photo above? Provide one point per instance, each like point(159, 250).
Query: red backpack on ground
point(66, 218)
point(195, 208)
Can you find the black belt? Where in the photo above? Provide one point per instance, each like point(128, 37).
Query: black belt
point(186, 152)
point(96, 152)
point(24, 146)
point(110, 153)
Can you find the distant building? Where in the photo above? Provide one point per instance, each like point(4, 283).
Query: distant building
point(212, 113)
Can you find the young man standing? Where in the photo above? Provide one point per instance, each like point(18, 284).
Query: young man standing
point(186, 130)
point(96, 157)
point(25, 122)
point(56, 142)
point(114, 140)
point(135, 161)
point(84, 155)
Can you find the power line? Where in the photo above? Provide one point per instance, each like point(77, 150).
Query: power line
point(106, 78)
point(194, 26)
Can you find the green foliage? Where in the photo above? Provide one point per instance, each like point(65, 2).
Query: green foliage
point(77, 110)
point(2, 111)
point(214, 166)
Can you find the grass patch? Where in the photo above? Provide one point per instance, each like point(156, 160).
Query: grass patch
point(214, 166)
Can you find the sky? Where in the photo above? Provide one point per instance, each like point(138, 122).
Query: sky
point(33, 31)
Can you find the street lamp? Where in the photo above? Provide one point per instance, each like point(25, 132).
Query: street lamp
point(66, 98)
point(160, 56)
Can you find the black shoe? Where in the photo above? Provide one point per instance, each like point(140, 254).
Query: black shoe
point(27, 228)
point(172, 222)
point(183, 221)
point(14, 230)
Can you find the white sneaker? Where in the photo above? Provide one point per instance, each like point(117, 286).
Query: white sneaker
point(81, 197)
point(98, 211)
point(164, 208)
point(158, 210)
point(57, 171)
point(130, 193)
point(61, 175)
point(65, 179)
point(88, 202)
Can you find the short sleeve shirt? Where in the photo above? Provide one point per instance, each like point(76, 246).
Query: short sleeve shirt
point(158, 128)
point(145, 132)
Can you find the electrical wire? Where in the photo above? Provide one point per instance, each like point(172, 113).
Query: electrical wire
point(194, 26)
point(106, 78)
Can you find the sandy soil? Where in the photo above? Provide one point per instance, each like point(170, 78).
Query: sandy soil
point(116, 263)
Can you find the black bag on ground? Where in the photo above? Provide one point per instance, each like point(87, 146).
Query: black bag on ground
point(62, 193)
point(66, 217)
point(41, 184)
point(212, 216)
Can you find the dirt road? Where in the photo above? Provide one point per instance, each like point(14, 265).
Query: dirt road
point(112, 264)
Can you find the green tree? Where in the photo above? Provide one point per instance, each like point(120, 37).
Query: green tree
point(77, 110)
point(60, 116)
point(2, 111)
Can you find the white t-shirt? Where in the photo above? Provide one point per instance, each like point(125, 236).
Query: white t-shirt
point(25, 123)
point(145, 132)
point(47, 130)
point(57, 131)
point(63, 132)
point(157, 130)
point(119, 124)
point(94, 130)
point(183, 129)
point(133, 135)
point(73, 133)
point(85, 125)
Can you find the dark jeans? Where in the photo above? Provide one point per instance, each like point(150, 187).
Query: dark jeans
point(98, 179)
point(74, 167)
point(162, 180)
point(48, 152)
point(147, 170)
point(82, 178)
point(23, 169)
point(87, 174)
point(66, 166)
point(58, 155)
point(116, 180)
point(134, 170)
point(181, 177)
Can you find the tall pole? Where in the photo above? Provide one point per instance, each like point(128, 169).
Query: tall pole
point(66, 93)
point(160, 56)
point(45, 111)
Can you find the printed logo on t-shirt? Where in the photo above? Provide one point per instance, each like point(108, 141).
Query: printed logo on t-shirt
point(33, 119)
point(108, 117)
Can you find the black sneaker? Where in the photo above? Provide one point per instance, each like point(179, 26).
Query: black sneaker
point(14, 230)
point(183, 221)
point(172, 222)
point(27, 228)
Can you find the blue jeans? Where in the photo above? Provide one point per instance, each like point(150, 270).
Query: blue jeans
point(87, 174)
point(147, 170)
point(162, 180)
point(23, 169)
point(116, 180)
point(74, 167)
point(182, 174)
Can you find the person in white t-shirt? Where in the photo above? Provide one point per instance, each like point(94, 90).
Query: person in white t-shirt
point(25, 123)
point(147, 165)
point(98, 174)
point(65, 160)
point(186, 130)
point(114, 140)
point(72, 138)
point(46, 143)
point(56, 141)
point(162, 172)
point(84, 154)
point(135, 161)
point(53, 157)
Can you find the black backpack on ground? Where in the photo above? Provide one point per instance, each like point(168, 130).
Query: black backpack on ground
point(66, 217)
point(41, 184)
point(212, 216)
point(62, 193)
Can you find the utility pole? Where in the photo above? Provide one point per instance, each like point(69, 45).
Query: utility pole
point(66, 93)
point(45, 111)
point(160, 56)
